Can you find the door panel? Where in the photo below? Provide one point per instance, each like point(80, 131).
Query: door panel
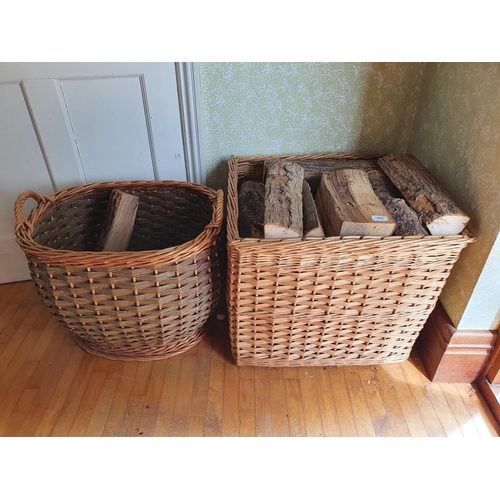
point(66, 124)
point(108, 120)
point(58, 142)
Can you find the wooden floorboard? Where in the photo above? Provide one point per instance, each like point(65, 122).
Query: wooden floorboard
point(342, 402)
point(279, 412)
point(390, 400)
point(312, 410)
point(378, 414)
point(327, 407)
point(152, 399)
point(478, 409)
point(182, 406)
point(49, 386)
point(263, 415)
point(170, 393)
point(295, 407)
point(433, 425)
point(231, 404)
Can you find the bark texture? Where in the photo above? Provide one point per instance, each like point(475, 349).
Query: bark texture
point(422, 191)
point(251, 209)
point(283, 200)
point(407, 221)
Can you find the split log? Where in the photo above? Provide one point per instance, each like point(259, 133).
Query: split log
point(118, 222)
point(407, 221)
point(424, 194)
point(311, 222)
point(251, 209)
point(348, 206)
point(283, 200)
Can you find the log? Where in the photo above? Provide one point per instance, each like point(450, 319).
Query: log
point(118, 222)
point(348, 206)
point(251, 209)
point(424, 194)
point(382, 185)
point(283, 200)
point(407, 221)
point(314, 169)
point(311, 223)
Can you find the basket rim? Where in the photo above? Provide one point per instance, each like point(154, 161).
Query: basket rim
point(234, 239)
point(51, 257)
point(291, 242)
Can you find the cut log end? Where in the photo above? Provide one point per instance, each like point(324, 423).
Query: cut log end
point(280, 232)
point(447, 225)
point(366, 229)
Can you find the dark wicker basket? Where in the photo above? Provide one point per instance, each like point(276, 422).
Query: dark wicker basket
point(150, 302)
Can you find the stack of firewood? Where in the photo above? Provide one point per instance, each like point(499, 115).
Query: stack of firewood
point(394, 195)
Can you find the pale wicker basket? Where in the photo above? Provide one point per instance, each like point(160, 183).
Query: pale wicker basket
point(329, 301)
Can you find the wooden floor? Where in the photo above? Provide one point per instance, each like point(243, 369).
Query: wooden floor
point(50, 387)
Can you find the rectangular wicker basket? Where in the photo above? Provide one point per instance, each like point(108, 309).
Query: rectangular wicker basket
point(329, 301)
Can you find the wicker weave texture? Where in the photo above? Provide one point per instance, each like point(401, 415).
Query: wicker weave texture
point(329, 301)
point(134, 305)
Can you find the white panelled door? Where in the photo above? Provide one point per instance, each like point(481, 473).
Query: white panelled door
point(66, 124)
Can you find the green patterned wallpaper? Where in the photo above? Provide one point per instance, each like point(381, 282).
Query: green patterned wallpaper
point(447, 114)
point(286, 108)
point(457, 135)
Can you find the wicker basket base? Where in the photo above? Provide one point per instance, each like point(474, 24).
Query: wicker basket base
point(143, 353)
point(338, 361)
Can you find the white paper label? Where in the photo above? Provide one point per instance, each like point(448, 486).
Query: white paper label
point(379, 218)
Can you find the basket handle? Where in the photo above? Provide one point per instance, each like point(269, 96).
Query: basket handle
point(19, 206)
point(219, 210)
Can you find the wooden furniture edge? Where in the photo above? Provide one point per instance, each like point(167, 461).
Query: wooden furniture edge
point(489, 378)
point(492, 371)
point(450, 355)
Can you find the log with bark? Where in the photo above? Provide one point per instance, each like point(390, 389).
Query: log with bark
point(348, 206)
point(318, 167)
point(118, 222)
point(314, 169)
point(283, 200)
point(251, 209)
point(407, 222)
point(422, 191)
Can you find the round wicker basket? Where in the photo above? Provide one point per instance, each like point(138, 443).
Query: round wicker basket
point(152, 301)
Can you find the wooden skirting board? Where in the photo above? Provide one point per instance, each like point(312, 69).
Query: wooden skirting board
point(451, 355)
